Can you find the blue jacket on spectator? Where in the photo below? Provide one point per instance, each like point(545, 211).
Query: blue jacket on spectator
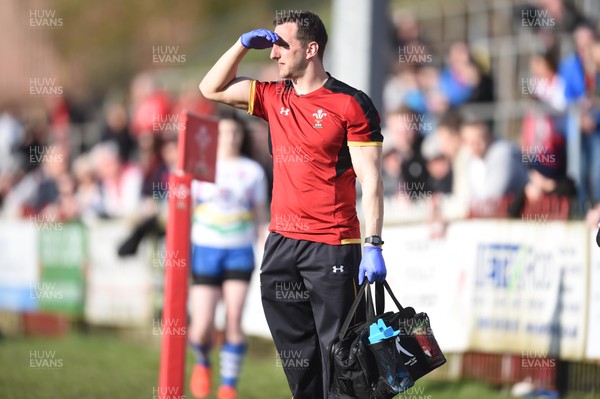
point(457, 92)
point(571, 71)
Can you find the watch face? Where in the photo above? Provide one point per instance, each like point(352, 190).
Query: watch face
point(375, 240)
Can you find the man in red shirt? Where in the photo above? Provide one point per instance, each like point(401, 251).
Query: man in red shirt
point(323, 134)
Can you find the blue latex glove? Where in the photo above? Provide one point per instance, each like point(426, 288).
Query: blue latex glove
point(372, 265)
point(259, 39)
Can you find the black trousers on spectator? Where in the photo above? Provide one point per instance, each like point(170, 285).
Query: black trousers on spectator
point(307, 289)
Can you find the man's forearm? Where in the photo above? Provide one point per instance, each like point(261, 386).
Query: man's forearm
point(372, 204)
point(223, 72)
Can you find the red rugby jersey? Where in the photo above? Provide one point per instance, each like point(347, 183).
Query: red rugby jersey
point(314, 191)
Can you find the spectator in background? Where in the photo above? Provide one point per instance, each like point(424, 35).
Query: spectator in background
point(439, 183)
point(463, 80)
point(121, 183)
point(403, 81)
point(564, 13)
point(155, 206)
point(451, 145)
point(593, 217)
point(150, 106)
point(12, 135)
point(447, 165)
point(439, 171)
point(459, 77)
point(391, 163)
point(549, 19)
point(411, 52)
point(426, 97)
point(116, 129)
point(495, 168)
point(88, 190)
point(543, 124)
point(391, 168)
point(580, 71)
point(65, 207)
point(39, 187)
point(192, 100)
point(402, 129)
point(549, 192)
point(547, 85)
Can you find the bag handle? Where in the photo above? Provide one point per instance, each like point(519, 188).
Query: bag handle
point(379, 302)
point(380, 297)
point(360, 295)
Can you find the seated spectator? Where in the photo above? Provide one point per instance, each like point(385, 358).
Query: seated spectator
point(439, 182)
point(153, 213)
point(39, 187)
point(402, 129)
point(12, 135)
point(65, 208)
point(549, 194)
point(439, 179)
point(121, 184)
point(495, 168)
point(391, 165)
point(88, 189)
point(403, 81)
point(448, 133)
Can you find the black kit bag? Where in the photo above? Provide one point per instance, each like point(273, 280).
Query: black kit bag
point(361, 370)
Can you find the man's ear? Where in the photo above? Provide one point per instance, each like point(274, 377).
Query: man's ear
point(312, 50)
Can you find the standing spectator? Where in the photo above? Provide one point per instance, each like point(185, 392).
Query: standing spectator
point(548, 86)
point(580, 72)
point(543, 124)
point(116, 129)
point(578, 69)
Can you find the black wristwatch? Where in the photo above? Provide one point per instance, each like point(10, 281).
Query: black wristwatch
point(374, 240)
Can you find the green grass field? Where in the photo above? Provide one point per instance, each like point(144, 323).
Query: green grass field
point(101, 366)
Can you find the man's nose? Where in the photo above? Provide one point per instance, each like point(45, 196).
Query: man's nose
point(274, 52)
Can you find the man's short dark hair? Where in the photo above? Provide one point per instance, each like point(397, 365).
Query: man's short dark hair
point(310, 27)
point(470, 117)
point(451, 120)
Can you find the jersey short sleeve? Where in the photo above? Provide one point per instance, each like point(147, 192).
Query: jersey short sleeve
point(260, 92)
point(363, 124)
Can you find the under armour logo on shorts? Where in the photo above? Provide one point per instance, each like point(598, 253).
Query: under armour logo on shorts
point(339, 268)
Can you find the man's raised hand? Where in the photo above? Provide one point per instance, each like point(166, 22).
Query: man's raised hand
point(259, 39)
